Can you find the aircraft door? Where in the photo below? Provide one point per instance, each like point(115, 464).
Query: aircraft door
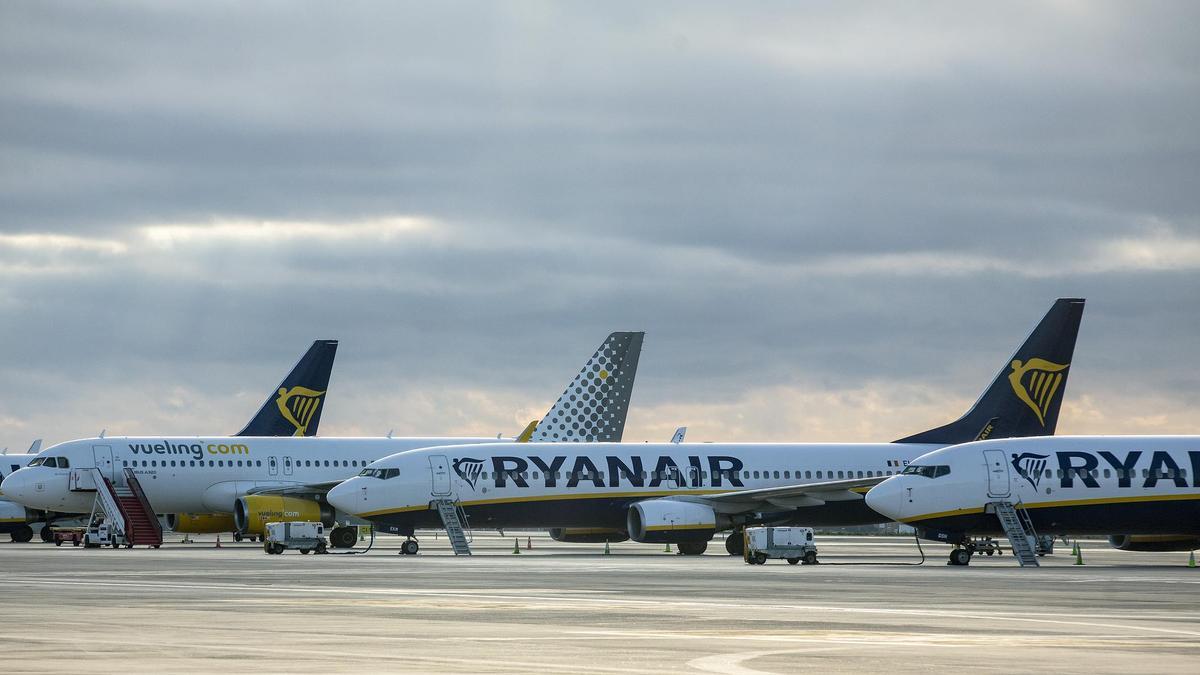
point(287, 465)
point(272, 466)
point(997, 468)
point(440, 469)
point(104, 460)
point(693, 474)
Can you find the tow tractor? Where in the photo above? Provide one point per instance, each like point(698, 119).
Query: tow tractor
point(101, 533)
point(64, 534)
point(793, 544)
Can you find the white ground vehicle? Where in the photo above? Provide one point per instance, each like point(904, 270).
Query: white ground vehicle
point(300, 535)
point(102, 534)
point(794, 544)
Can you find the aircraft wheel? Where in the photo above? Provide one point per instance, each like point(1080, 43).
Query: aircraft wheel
point(960, 556)
point(22, 534)
point(410, 547)
point(47, 535)
point(237, 536)
point(692, 547)
point(343, 537)
point(735, 543)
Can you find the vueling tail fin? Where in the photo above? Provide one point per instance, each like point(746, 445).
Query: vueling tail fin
point(527, 433)
point(595, 404)
point(1026, 395)
point(294, 407)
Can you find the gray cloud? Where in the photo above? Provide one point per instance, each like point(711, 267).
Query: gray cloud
point(820, 214)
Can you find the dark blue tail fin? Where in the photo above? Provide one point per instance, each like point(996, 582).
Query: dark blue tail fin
point(1025, 397)
point(294, 407)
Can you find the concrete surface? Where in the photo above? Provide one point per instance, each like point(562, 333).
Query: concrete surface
point(567, 608)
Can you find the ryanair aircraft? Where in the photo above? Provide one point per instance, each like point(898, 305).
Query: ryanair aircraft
point(305, 385)
point(683, 493)
point(210, 484)
point(1114, 485)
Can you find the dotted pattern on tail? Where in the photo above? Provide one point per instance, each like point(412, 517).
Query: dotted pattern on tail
point(594, 406)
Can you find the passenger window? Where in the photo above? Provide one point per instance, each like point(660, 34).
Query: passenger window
point(818, 474)
point(326, 462)
point(535, 475)
point(745, 474)
point(1145, 473)
point(1049, 473)
point(841, 474)
point(787, 474)
point(777, 474)
point(860, 474)
point(1106, 473)
point(124, 462)
point(808, 474)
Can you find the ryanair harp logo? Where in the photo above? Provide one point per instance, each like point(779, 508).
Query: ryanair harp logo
point(1035, 382)
point(468, 469)
point(1030, 466)
point(298, 405)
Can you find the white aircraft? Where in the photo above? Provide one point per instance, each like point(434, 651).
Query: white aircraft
point(15, 519)
point(213, 484)
point(1148, 485)
point(684, 493)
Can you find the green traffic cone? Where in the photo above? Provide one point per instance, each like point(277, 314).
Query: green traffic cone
point(1078, 554)
point(606, 549)
point(1192, 559)
point(666, 548)
point(516, 546)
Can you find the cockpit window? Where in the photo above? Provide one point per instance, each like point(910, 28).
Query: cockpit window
point(51, 461)
point(38, 462)
point(926, 471)
point(382, 474)
point(63, 463)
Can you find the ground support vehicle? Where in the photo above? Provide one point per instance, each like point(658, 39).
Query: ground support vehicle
point(302, 536)
point(793, 544)
point(65, 534)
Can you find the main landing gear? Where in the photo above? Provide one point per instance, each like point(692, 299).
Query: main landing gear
point(692, 547)
point(735, 543)
point(410, 547)
point(47, 534)
point(23, 534)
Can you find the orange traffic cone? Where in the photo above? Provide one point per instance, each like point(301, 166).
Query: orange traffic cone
point(528, 543)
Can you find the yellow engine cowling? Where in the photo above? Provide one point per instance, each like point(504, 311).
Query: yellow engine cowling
point(1154, 542)
point(252, 512)
point(587, 535)
point(201, 523)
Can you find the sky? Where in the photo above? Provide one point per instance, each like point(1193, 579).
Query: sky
point(834, 220)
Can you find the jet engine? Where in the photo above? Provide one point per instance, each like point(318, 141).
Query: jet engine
point(587, 535)
point(252, 512)
point(201, 523)
point(659, 521)
point(1154, 542)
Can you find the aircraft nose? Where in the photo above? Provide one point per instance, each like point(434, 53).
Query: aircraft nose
point(341, 497)
point(887, 498)
point(16, 487)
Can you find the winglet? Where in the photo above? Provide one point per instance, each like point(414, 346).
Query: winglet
point(35, 447)
point(679, 434)
point(527, 433)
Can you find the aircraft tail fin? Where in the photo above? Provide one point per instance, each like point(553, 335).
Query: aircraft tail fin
point(527, 433)
point(294, 407)
point(595, 404)
point(1025, 397)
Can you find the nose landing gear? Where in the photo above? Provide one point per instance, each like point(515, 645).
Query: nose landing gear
point(410, 546)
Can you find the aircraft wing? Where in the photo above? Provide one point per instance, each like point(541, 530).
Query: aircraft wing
point(310, 490)
point(788, 496)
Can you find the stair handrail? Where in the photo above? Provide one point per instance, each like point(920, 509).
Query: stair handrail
point(464, 524)
point(136, 488)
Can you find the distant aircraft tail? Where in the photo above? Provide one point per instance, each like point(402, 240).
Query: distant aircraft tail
point(294, 407)
point(1026, 395)
point(595, 404)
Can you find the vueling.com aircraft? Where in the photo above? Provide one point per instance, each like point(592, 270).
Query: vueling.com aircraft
point(244, 482)
point(305, 385)
point(683, 493)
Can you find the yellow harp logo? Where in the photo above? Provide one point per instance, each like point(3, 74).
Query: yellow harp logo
point(1035, 382)
point(298, 405)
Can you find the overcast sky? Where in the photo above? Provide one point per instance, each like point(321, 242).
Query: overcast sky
point(834, 220)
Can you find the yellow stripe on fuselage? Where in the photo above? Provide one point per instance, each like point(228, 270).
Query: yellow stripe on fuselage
point(1066, 502)
point(660, 528)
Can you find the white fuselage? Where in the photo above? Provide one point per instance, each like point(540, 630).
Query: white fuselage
point(1067, 484)
point(593, 484)
point(201, 474)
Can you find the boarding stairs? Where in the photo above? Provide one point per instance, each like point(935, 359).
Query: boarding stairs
point(127, 509)
point(449, 511)
point(1020, 533)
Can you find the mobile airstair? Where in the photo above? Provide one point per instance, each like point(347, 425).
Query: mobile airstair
point(1019, 530)
point(126, 508)
point(453, 519)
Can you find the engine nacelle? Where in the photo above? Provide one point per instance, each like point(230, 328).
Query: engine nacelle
point(587, 535)
point(201, 523)
point(1154, 542)
point(658, 521)
point(252, 512)
point(12, 512)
